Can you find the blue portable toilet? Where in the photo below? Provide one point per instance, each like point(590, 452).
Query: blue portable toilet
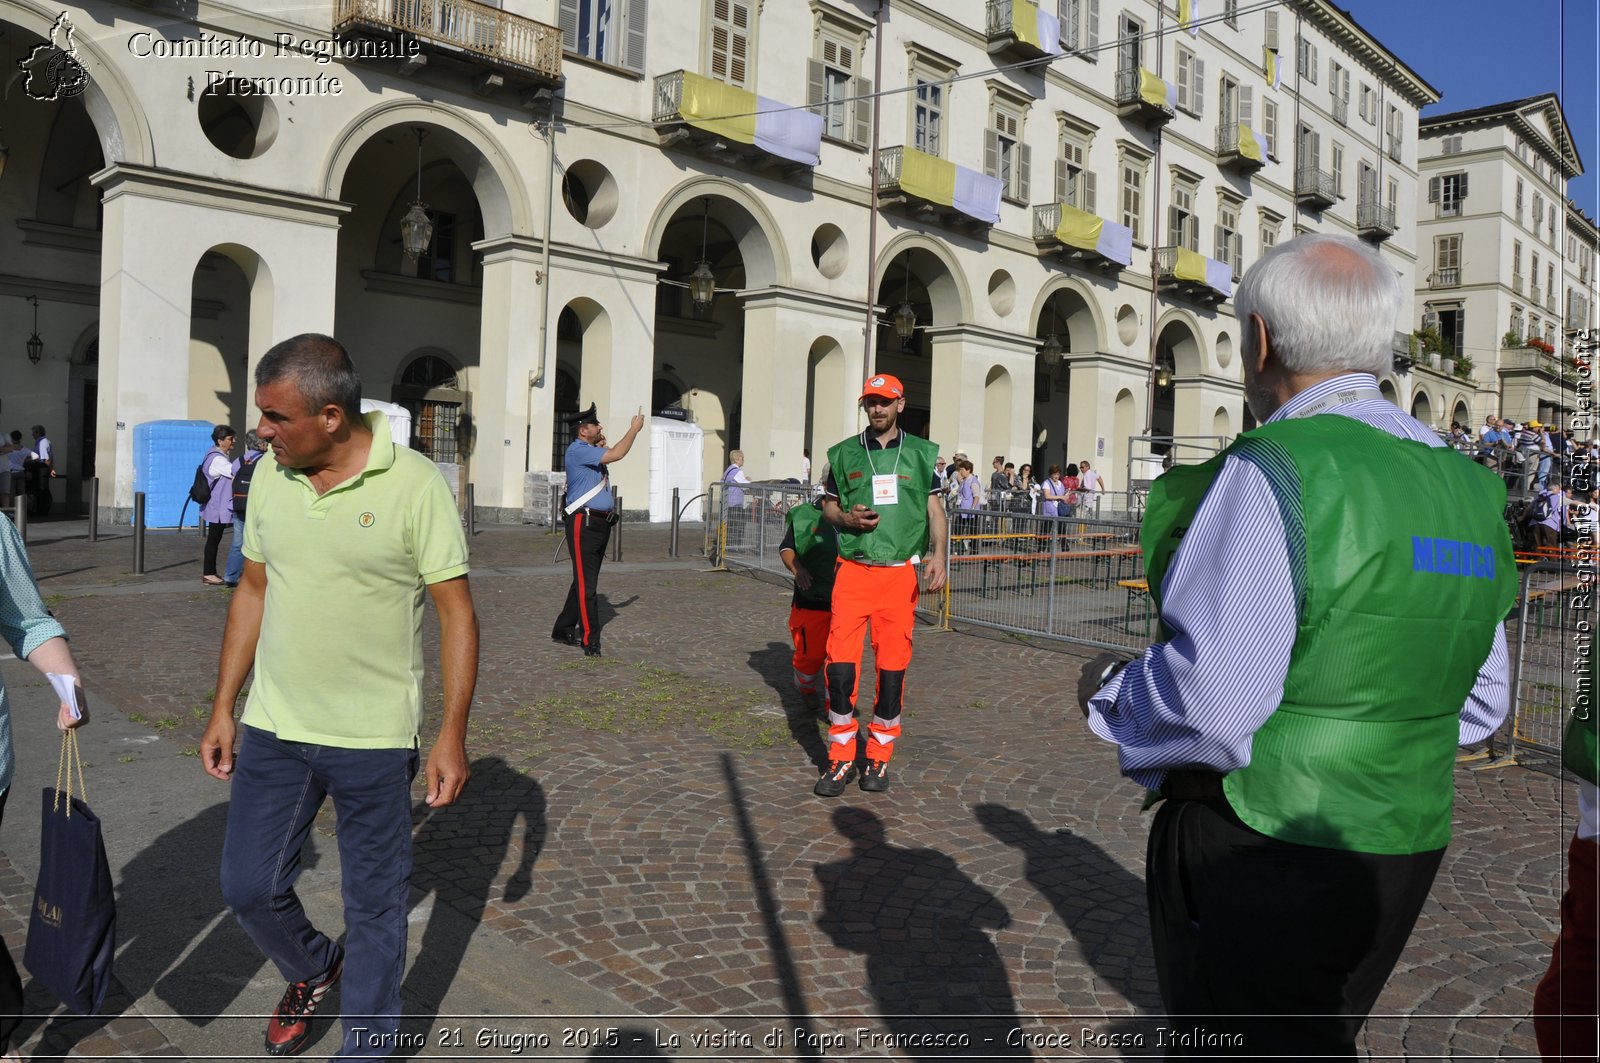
point(165, 456)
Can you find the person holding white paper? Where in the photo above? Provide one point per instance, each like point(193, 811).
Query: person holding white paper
point(38, 638)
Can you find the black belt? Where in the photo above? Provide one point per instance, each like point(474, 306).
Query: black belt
point(1192, 784)
point(596, 514)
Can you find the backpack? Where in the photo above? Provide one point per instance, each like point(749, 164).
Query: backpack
point(241, 485)
point(1538, 509)
point(200, 490)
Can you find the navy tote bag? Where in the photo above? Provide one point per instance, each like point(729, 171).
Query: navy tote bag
point(72, 928)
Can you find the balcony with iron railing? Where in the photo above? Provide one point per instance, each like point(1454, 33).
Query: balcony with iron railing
point(1445, 277)
point(729, 124)
point(1109, 250)
point(1341, 110)
point(1534, 292)
point(1144, 97)
point(1239, 148)
point(1394, 147)
point(1550, 302)
point(1374, 220)
point(517, 51)
point(1517, 283)
point(1190, 274)
point(1014, 26)
point(1314, 188)
point(974, 207)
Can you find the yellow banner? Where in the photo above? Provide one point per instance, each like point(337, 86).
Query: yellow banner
point(1152, 89)
point(1025, 22)
point(1191, 266)
point(1078, 228)
point(927, 177)
point(1248, 148)
point(706, 104)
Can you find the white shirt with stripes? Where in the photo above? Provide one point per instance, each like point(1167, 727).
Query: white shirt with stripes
point(1196, 700)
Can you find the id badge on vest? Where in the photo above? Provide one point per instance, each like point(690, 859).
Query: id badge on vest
point(885, 489)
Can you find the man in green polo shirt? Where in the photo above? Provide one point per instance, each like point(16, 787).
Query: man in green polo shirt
point(344, 533)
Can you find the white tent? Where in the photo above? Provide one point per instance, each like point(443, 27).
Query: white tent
point(399, 418)
point(677, 456)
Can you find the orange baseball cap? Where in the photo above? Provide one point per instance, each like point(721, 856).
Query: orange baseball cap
point(885, 386)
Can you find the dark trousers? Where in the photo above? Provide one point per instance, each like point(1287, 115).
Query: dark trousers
point(587, 537)
point(277, 789)
point(10, 981)
point(214, 532)
point(1267, 948)
point(1564, 1004)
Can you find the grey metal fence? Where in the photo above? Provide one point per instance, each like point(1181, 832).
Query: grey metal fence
point(1068, 578)
point(1549, 636)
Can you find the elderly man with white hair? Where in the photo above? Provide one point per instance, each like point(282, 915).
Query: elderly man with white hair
point(1331, 590)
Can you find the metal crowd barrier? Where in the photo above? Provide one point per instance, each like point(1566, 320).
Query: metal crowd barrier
point(747, 523)
point(1550, 638)
point(1068, 578)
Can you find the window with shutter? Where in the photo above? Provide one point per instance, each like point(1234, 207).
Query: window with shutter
point(927, 115)
point(605, 30)
point(830, 87)
point(1130, 42)
point(1070, 13)
point(1132, 194)
point(1186, 85)
point(1269, 126)
point(1272, 29)
point(1183, 227)
point(1003, 154)
point(1074, 182)
point(729, 40)
point(1337, 162)
point(1228, 101)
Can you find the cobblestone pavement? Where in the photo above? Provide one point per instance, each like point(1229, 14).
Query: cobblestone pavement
point(646, 822)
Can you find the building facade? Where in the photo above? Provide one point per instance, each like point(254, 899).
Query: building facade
point(1504, 269)
point(731, 213)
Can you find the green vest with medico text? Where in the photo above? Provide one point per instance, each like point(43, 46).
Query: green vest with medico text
point(1402, 571)
point(902, 531)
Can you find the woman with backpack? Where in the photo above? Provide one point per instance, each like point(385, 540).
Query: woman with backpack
point(218, 508)
point(243, 469)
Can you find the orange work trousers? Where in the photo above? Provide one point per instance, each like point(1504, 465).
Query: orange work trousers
point(808, 631)
point(883, 598)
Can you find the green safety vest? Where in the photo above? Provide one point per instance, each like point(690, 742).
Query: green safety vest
point(816, 549)
point(1402, 569)
point(902, 531)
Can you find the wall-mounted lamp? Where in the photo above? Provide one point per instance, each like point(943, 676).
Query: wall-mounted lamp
point(35, 344)
point(416, 229)
point(702, 282)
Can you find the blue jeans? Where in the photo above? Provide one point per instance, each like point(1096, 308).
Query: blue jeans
point(236, 552)
point(277, 788)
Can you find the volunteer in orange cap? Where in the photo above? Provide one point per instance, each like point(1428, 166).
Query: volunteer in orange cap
point(882, 495)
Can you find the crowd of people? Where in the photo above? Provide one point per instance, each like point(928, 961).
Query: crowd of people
point(26, 469)
point(1058, 493)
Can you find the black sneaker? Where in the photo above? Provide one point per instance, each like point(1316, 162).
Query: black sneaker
point(835, 777)
point(875, 779)
point(289, 1029)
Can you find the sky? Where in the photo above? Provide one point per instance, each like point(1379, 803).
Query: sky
point(1478, 52)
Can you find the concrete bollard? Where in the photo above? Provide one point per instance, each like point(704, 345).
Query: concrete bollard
point(94, 509)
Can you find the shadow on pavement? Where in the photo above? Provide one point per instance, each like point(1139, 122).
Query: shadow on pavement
point(167, 896)
point(774, 664)
point(1101, 902)
point(456, 857)
point(920, 922)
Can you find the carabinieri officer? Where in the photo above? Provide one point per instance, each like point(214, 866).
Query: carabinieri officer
point(589, 516)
